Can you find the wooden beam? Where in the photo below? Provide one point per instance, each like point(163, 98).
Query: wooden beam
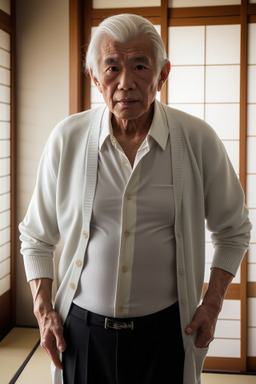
point(196, 16)
point(242, 168)
point(243, 95)
point(13, 166)
point(198, 21)
point(148, 12)
point(233, 292)
point(252, 18)
point(223, 364)
point(5, 22)
point(75, 56)
point(197, 12)
point(251, 289)
point(86, 38)
point(164, 36)
point(6, 318)
point(251, 364)
point(251, 9)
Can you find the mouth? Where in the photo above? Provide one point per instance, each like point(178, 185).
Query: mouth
point(127, 102)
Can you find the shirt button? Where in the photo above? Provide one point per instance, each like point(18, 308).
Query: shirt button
point(179, 235)
point(127, 232)
point(113, 142)
point(85, 234)
point(123, 160)
point(128, 196)
point(120, 308)
point(124, 268)
point(183, 301)
point(181, 271)
point(79, 262)
point(72, 286)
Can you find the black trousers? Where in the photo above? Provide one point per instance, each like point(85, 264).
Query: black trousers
point(150, 353)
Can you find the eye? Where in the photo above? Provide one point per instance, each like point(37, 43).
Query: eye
point(140, 67)
point(112, 69)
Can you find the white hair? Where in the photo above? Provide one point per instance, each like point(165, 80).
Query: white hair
point(123, 28)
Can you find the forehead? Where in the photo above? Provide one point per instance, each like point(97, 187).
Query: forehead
point(138, 47)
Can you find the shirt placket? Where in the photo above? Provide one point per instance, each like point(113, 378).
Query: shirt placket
point(127, 232)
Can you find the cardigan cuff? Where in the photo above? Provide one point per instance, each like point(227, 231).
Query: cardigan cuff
point(228, 259)
point(38, 267)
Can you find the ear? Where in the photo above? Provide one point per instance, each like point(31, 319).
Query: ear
point(96, 81)
point(164, 75)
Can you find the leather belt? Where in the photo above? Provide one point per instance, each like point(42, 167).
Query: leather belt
point(118, 324)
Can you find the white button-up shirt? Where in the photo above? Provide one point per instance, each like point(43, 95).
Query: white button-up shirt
point(130, 267)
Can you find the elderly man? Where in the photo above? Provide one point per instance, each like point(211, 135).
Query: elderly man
point(128, 187)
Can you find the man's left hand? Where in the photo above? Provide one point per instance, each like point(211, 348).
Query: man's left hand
point(204, 324)
point(205, 319)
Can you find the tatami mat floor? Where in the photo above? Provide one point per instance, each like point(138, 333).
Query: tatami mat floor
point(14, 349)
point(18, 344)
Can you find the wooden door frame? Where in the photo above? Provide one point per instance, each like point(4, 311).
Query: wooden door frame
point(8, 299)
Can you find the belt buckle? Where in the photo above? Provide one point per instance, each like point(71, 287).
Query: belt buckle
point(118, 325)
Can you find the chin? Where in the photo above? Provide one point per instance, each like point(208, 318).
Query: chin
point(129, 113)
point(128, 116)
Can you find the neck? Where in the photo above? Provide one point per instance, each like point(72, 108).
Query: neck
point(133, 128)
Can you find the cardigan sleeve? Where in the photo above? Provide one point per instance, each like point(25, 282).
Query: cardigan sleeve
point(55, 210)
point(39, 229)
point(226, 212)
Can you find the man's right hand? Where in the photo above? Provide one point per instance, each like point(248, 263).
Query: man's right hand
point(51, 331)
point(49, 321)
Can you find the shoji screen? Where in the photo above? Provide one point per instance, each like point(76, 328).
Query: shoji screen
point(251, 192)
point(205, 81)
point(5, 165)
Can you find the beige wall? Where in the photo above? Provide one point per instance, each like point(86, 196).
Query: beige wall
point(42, 38)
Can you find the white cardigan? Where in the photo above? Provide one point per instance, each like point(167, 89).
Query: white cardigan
point(205, 188)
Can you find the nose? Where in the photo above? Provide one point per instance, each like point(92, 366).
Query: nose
point(126, 80)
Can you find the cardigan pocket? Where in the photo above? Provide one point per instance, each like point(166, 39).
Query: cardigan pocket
point(194, 360)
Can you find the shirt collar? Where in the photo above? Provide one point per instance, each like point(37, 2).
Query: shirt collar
point(106, 128)
point(158, 131)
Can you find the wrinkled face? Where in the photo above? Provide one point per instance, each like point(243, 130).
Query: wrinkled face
point(128, 78)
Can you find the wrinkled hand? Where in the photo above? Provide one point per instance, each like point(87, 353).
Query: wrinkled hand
point(204, 324)
point(51, 331)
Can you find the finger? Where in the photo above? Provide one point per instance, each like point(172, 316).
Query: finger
point(55, 358)
point(189, 330)
point(201, 342)
point(49, 344)
point(57, 331)
point(60, 341)
point(203, 339)
point(61, 345)
point(192, 328)
point(52, 352)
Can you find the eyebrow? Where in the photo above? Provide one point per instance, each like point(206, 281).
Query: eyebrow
point(139, 59)
point(143, 59)
point(110, 60)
